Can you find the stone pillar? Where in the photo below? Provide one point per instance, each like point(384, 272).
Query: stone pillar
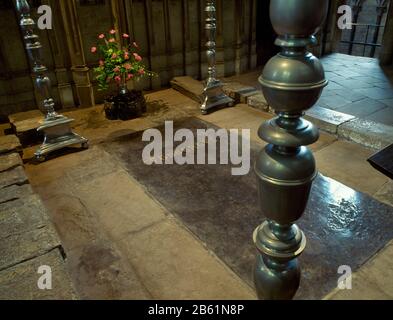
point(386, 54)
point(80, 71)
point(252, 37)
point(220, 52)
point(56, 38)
point(331, 35)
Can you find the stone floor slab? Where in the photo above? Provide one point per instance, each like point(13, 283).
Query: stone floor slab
point(188, 271)
point(388, 102)
point(20, 281)
point(354, 170)
point(17, 248)
point(373, 281)
point(14, 176)
point(239, 117)
point(367, 133)
point(15, 192)
point(100, 272)
point(9, 143)
point(22, 215)
point(384, 116)
point(326, 119)
point(333, 102)
point(376, 93)
point(385, 193)
point(362, 108)
point(339, 221)
point(10, 161)
point(123, 210)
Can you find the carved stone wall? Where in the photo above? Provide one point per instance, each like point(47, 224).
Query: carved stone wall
point(170, 33)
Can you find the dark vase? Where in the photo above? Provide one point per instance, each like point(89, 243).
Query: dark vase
point(125, 106)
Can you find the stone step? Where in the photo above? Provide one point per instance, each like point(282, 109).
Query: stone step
point(25, 125)
point(189, 87)
point(20, 282)
point(10, 144)
point(10, 161)
point(194, 89)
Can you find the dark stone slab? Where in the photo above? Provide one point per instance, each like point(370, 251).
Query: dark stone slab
point(11, 177)
point(342, 226)
point(383, 161)
point(20, 282)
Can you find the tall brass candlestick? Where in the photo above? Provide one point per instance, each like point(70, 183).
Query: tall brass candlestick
point(292, 82)
point(56, 128)
point(214, 95)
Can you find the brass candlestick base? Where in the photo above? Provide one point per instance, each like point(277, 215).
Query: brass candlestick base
point(214, 96)
point(58, 135)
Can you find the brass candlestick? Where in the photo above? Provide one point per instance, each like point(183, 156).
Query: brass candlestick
point(292, 82)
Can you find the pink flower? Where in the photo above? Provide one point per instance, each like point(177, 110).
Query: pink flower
point(117, 69)
point(101, 36)
point(118, 78)
point(125, 35)
point(112, 40)
point(137, 57)
point(93, 49)
point(114, 56)
point(127, 66)
point(135, 45)
point(130, 76)
point(113, 31)
point(141, 71)
point(126, 56)
point(102, 62)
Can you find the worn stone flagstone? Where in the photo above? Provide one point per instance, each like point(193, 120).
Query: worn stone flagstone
point(9, 143)
point(20, 282)
point(22, 215)
point(16, 248)
point(15, 192)
point(14, 176)
point(10, 161)
point(342, 226)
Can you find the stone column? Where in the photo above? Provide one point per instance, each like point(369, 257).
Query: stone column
point(386, 54)
point(220, 53)
point(292, 82)
point(80, 71)
point(56, 38)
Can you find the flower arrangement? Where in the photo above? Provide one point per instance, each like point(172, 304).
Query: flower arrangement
point(119, 64)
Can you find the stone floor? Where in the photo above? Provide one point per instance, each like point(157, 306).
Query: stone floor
point(358, 86)
point(122, 244)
